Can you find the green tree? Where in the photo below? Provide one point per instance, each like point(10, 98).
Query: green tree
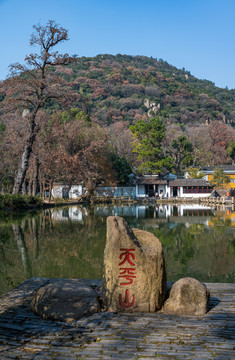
point(121, 167)
point(194, 173)
point(180, 150)
point(148, 137)
point(231, 150)
point(2, 130)
point(219, 178)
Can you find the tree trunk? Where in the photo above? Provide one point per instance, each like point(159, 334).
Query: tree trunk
point(24, 187)
point(90, 190)
point(22, 169)
point(35, 187)
point(19, 238)
point(43, 190)
point(24, 163)
point(50, 190)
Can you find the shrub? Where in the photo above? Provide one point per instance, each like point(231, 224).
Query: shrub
point(20, 202)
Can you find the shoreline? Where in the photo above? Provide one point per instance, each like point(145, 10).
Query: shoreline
point(45, 204)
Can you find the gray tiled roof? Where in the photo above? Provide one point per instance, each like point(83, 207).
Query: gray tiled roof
point(223, 167)
point(189, 182)
point(151, 180)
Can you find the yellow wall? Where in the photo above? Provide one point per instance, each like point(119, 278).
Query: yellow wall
point(230, 185)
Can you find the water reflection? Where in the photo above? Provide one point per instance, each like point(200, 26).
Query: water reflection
point(198, 241)
point(157, 212)
point(72, 213)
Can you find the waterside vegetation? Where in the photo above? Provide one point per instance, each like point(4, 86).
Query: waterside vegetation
point(19, 202)
point(94, 121)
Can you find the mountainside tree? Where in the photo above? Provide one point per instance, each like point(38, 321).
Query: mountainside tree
point(219, 178)
point(181, 149)
point(31, 86)
point(199, 137)
point(231, 151)
point(75, 151)
point(220, 136)
point(148, 137)
point(121, 137)
point(121, 167)
point(194, 173)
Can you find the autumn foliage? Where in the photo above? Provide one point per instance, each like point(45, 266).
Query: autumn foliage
point(72, 120)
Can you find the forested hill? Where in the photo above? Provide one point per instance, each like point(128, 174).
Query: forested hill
point(122, 87)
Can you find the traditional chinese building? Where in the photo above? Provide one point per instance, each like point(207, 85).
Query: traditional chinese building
point(228, 170)
point(189, 188)
point(153, 185)
point(150, 186)
point(61, 190)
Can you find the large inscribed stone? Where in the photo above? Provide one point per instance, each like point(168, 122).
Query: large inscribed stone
point(134, 269)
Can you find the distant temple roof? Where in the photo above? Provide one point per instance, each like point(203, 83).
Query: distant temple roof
point(226, 168)
point(151, 180)
point(189, 182)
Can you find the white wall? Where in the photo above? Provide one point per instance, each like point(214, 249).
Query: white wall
point(162, 189)
point(57, 191)
point(195, 195)
point(170, 191)
point(181, 194)
point(140, 190)
point(74, 193)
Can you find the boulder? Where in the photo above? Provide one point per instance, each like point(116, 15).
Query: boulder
point(134, 269)
point(65, 300)
point(188, 297)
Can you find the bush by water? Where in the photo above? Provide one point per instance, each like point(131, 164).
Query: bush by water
point(17, 202)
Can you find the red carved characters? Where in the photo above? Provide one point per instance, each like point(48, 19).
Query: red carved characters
point(127, 255)
point(128, 273)
point(126, 303)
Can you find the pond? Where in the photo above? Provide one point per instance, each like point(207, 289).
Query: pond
point(68, 242)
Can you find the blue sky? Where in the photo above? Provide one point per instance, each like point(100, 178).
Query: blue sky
point(198, 35)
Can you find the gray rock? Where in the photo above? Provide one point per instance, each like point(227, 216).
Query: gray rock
point(65, 300)
point(134, 269)
point(188, 297)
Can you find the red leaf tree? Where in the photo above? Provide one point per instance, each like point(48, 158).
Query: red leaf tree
point(32, 85)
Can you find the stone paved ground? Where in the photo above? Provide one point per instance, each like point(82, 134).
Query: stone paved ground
point(24, 335)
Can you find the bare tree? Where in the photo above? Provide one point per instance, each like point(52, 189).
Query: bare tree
point(32, 85)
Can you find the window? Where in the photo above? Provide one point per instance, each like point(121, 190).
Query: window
point(196, 190)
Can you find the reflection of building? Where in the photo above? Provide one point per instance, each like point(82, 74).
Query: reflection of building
point(124, 211)
point(231, 216)
point(171, 212)
point(184, 210)
point(72, 213)
point(194, 210)
point(226, 215)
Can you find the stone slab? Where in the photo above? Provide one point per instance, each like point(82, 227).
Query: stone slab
point(117, 336)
